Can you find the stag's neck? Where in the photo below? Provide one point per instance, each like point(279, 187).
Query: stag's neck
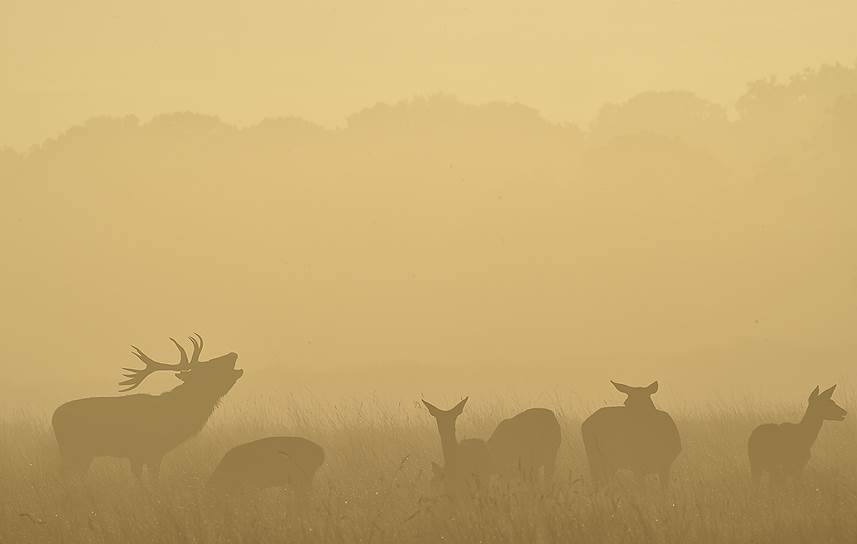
point(192, 405)
point(809, 427)
point(448, 443)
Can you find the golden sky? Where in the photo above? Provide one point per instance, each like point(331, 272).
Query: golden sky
point(63, 62)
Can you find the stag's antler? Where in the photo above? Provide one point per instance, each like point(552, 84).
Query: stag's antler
point(197, 348)
point(137, 375)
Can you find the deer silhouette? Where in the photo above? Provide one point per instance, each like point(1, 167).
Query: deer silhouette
point(784, 450)
point(139, 427)
point(467, 464)
point(636, 437)
point(525, 443)
point(518, 447)
point(277, 461)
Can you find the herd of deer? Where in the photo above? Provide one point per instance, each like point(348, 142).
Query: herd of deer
point(636, 437)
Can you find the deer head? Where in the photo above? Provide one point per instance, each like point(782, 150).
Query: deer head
point(639, 398)
point(822, 406)
point(446, 418)
point(218, 373)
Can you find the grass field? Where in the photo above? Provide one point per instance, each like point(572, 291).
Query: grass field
point(377, 470)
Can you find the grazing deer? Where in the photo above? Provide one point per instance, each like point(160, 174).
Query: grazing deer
point(784, 450)
point(636, 437)
point(519, 446)
point(143, 428)
point(523, 444)
point(277, 461)
point(466, 464)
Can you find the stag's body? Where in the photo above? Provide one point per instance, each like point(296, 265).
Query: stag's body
point(784, 450)
point(278, 461)
point(635, 437)
point(143, 428)
point(523, 444)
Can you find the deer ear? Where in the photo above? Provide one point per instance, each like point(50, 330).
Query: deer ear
point(433, 410)
point(652, 388)
point(182, 376)
point(459, 407)
point(814, 394)
point(621, 387)
point(827, 393)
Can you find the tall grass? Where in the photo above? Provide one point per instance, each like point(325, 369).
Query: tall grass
point(373, 485)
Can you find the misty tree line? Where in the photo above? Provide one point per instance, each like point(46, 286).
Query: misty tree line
point(410, 206)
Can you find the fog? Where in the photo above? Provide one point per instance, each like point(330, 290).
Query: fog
point(61, 63)
point(528, 205)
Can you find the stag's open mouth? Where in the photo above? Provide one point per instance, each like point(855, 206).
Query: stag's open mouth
point(231, 359)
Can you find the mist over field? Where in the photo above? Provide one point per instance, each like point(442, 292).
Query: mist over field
point(470, 195)
point(434, 244)
point(420, 240)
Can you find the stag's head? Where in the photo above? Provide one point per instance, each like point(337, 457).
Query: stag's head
point(216, 376)
point(824, 407)
point(639, 398)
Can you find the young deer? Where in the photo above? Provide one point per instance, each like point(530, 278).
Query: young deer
point(636, 437)
point(143, 428)
point(784, 450)
point(466, 464)
point(518, 447)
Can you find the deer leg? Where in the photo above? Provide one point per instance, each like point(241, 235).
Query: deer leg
point(74, 466)
point(664, 478)
point(550, 468)
point(640, 479)
point(777, 478)
point(154, 468)
point(137, 469)
point(599, 476)
point(756, 474)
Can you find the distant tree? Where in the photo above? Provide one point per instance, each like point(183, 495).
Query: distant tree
point(778, 119)
point(676, 114)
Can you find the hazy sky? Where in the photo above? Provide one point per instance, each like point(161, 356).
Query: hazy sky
point(63, 62)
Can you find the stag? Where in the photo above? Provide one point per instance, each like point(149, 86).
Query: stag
point(636, 437)
point(141, 427)
point(784, 450)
